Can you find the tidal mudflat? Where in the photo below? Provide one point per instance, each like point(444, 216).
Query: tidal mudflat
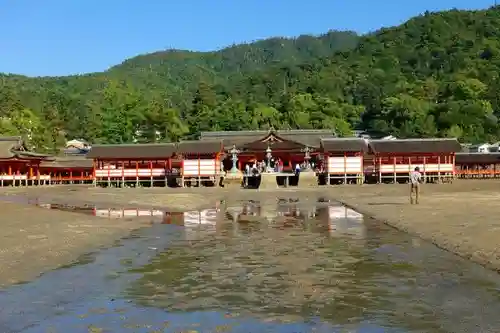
point(286, 264)
point(460, 217)
point(35, 240)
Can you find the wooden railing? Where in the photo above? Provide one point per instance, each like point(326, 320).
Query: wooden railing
point(486, 173)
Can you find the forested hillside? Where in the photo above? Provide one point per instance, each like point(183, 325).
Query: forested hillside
point(435, 75)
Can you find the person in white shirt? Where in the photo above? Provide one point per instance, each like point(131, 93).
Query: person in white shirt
point(246, 175)
point(254, 170)
point(415, 181)
point(297, 169)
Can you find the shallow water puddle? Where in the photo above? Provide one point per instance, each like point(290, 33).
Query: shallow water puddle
point(190, 217)
point(280, 266)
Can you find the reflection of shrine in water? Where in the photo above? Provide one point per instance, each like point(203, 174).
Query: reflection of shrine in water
point(334, 219)
point(268, 212)
point(124, 213)
point(244, 211)
point(342, 221)
point(321, 217)
point(196, 223)
point(267, 259)
point(296, 211)
point(337, 220)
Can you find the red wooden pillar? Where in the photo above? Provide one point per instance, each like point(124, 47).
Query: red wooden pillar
point(378, 160)
point(38, 174)
point(218, 163)
point(425, 166)
point(150, 164)
point(453, 166)
point(199, 165)
point(394, 169)
point(136, 173)
point(93, 172)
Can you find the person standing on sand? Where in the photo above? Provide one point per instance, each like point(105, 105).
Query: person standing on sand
point(415, 180)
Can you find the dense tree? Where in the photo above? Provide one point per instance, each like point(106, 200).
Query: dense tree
point(435, 75)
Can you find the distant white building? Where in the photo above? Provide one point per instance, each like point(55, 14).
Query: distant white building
point(138, 135)
point(366, 134)
point(76, 147)
point(79, 144)
point(482, 148)
point(494, 148)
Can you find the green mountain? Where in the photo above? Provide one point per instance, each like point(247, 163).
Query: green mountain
point(435, 75)
point(181, 70)
point(72, 106)
point(174, 65)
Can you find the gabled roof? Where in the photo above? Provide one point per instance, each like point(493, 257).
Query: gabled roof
point(310, 138)
point(237, 138)
point(435, 145)
point(67, 162)
point(479, 158)
point(154, 150)
point(273, 145)
point(13, 147)
point(148, 150)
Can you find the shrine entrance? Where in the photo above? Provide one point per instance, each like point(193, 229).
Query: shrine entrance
point(270, 162)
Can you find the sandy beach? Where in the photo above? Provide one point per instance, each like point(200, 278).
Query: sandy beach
point(459, 217)
point(36, 240)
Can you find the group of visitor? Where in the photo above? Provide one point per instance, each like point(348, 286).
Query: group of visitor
point(277, 165)
point(255, 168)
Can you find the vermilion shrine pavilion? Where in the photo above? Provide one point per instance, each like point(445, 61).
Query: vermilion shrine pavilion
point(217, 156)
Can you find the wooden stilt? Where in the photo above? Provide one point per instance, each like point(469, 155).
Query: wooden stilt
point(394, 169)
point(345, 168)
point(123, 174)
point(94, 178)
point(151, 173)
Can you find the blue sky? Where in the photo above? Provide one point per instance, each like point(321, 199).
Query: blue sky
point(59, 37)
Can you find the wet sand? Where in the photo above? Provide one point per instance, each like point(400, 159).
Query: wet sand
point(36, 240)
point(461, 217)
